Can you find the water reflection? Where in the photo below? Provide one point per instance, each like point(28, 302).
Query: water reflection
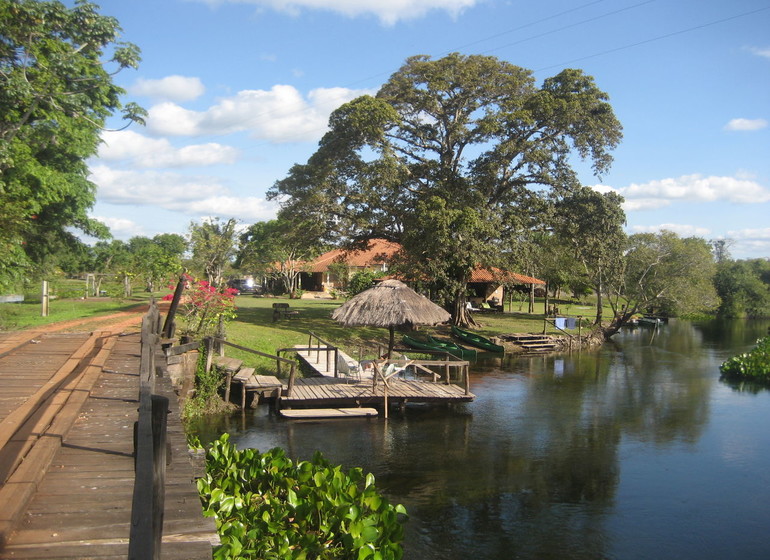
point(562, 456)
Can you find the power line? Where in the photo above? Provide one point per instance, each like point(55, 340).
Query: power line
point(570, 26)
point(653, 39)
point(512, 30)
point(524, 26)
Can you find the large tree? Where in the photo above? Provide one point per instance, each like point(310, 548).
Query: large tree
point(662, 273)
point(278, 249)
point(454, 158)
point(56, 91)
point(743, 287)
point(157, 260)
point(591, 224)
point(214, 245)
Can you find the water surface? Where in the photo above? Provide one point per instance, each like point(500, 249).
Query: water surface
point(637, 450)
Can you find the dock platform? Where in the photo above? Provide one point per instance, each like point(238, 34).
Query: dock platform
point(320, 392)
point(329, 413)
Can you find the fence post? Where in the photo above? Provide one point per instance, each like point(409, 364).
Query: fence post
point(168, 327)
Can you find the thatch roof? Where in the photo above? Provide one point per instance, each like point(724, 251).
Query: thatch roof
point(389, 304)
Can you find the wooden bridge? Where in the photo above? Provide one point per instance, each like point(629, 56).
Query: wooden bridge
point(68, 405)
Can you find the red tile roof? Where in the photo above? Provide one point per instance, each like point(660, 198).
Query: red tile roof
point(498, 275)
point(379, 252)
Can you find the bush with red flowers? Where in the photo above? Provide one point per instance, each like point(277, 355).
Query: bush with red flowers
point(204, 308)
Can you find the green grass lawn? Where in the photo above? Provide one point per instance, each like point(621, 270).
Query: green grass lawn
point(254, 327)
point(28, 314)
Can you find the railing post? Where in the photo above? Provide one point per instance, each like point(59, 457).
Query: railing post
point(290, 386)
point(148, 499)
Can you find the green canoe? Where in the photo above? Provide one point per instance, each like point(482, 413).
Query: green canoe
point(440, 345)
point(476, 340)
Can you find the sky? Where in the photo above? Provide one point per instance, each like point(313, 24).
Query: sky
point(240, 90)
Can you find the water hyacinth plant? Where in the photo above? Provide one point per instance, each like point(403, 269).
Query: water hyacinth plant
point(754, 365)
point(269, 507)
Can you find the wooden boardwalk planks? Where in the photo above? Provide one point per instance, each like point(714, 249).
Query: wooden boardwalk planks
point(82, 507)
point(316, 391)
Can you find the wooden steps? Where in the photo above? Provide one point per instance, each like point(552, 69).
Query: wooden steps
point(234, 371)
point(530, 343)
point(230, 367)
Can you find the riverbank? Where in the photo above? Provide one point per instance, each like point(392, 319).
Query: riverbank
point(255, 328)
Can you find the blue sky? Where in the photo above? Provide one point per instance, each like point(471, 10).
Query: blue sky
point(240, 90)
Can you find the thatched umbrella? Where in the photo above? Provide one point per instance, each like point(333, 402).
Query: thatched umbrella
point(390, 304)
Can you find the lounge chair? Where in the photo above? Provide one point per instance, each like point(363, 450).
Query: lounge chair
point(350, 369)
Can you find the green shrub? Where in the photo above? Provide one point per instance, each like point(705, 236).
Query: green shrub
point(754, 364)
point(269, 507)
point(206, 399)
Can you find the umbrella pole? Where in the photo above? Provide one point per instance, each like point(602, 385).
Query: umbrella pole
point(391, 341)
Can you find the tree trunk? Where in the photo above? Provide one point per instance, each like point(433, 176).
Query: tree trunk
point(616, 324)
point(127, 285)
point(461, 316)
point(599, 303)
point(531, 298)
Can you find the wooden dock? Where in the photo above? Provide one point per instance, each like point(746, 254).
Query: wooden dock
point(68, 409)
point(319, 392)
point(327, 388)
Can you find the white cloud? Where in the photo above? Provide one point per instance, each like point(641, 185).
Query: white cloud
point(245, 208)
point(746, 124)
point(760, 51)
point(121, 228)
point(750, 242)
point(388, 11)
point(682, 230)
point(690, 188)
point(143, 152)
point(200, 196)
point(279, 115)
point(169, 190)
point(172, 88)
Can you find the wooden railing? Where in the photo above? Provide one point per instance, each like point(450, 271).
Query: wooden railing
point(315, 344)
point(278, 360)
point(149, 450)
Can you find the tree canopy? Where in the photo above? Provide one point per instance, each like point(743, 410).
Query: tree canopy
point(455, 159)
point(56, 92)
point(591, 225)
point(213, 244)
point(278, 249)
point(665, 274)
point(743, 287)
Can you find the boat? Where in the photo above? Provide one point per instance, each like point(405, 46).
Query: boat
point(440, 345)
point(648, 321)
point(454, 348)
point(476, 340)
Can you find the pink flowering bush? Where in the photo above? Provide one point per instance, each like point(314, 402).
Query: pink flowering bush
point(203, 307)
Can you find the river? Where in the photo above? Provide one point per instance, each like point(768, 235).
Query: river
point(634, 451)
